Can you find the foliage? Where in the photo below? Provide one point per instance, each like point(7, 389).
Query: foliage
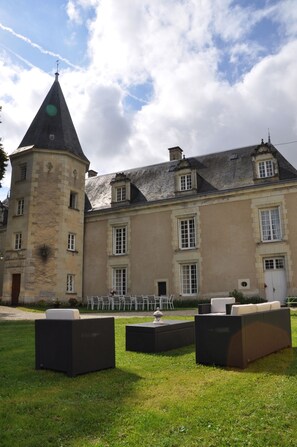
point(244, 299)
point(163, 400)
point(188, 303)
point(73, 302)
point(3, 158)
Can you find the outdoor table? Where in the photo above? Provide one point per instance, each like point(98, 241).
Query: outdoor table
point(152, 337)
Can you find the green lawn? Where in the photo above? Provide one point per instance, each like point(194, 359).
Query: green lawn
point(153, 400)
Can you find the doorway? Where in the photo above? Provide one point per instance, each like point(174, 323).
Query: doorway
point(275, 279)
point(15, 288)
point(162, 288)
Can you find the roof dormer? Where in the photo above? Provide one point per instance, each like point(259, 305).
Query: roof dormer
point(265, 164)
point(185, 177)
point(120, 189)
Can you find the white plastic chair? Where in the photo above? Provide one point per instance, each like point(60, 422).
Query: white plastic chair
point(90, 302)
point(170, 302)
point(97, 302)
point(105, 302)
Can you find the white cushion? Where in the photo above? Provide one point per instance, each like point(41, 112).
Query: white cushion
point(218, 305)
point(262, 307)
point(243, 309)
point(62, 314)
point(275, 305)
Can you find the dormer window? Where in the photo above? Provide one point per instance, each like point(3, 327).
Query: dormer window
point(185, 177)
point(120, 189)
point(265, 164)
point(185, 182)
point(265, 168)
point(121, 193)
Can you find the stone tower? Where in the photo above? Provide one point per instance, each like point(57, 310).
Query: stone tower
point(44, 241)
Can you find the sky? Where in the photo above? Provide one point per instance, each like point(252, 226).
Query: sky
point(141, 76)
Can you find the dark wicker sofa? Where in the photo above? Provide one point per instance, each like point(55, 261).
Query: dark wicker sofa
point(236, 340)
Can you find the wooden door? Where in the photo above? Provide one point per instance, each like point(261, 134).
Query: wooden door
point(15, 288)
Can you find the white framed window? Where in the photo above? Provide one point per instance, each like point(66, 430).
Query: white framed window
point(119, 280)
point(188, 277)
point(270, 225)
point(121, 193)
point(20, 206)
point(120, 240)
point(70, 283)
point(18, 241)
point(266, 168)
point(185, 182)
point(187, 233)
point(71, 242)
point(274, 263)
point(73, 201)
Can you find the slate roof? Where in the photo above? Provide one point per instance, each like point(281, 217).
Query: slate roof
point(52, 128)
point(217, 172)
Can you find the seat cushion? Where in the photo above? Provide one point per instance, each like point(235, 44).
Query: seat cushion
point(62, 314)
point(243, 309)
point(218, 305)
point(275, 305)
point(262, 307)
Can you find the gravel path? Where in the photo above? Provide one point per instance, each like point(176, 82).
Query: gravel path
point(12, 313)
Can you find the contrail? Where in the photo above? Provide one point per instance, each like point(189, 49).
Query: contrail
point(38, 47)
point(18, 56)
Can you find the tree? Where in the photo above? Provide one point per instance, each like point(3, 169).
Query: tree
point(3, 158)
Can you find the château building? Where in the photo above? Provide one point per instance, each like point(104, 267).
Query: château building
point(194, 227)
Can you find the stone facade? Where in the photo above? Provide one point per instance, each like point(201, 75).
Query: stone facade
point(195, 227)
point(45, 223)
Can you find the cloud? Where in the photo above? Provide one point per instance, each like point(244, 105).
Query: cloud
point(174, 49)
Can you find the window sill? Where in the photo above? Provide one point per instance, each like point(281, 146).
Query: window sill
point(74, 209)
point(72, 251)
point(271, 242)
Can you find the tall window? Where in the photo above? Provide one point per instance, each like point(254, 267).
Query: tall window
point(189, 279)
point(185, 182)
point(266, 168)
point(23, 171)
point(70, 283)
point(20, 207)
point(73, 200)
point(121, 194)
point(18, 241)
point(270, 225)
point(119, 280)
point(187, 237)
point(119, 240)
point(71, 242)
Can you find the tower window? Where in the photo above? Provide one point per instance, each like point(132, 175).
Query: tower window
point(70, 283)
point(73, 200)
point(71, 242)
point(20, 207)
point(18, 241)
point(23, 171)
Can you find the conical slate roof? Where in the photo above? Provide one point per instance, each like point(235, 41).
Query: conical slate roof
point(52, 128)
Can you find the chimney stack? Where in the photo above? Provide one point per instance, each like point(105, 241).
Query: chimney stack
point(175, 153)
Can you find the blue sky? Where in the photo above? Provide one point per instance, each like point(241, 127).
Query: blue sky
point(142, 76)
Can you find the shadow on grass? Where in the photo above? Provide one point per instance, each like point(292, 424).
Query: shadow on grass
point(48, 408)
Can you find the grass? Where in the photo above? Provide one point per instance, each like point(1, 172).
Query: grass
point(160, 400)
